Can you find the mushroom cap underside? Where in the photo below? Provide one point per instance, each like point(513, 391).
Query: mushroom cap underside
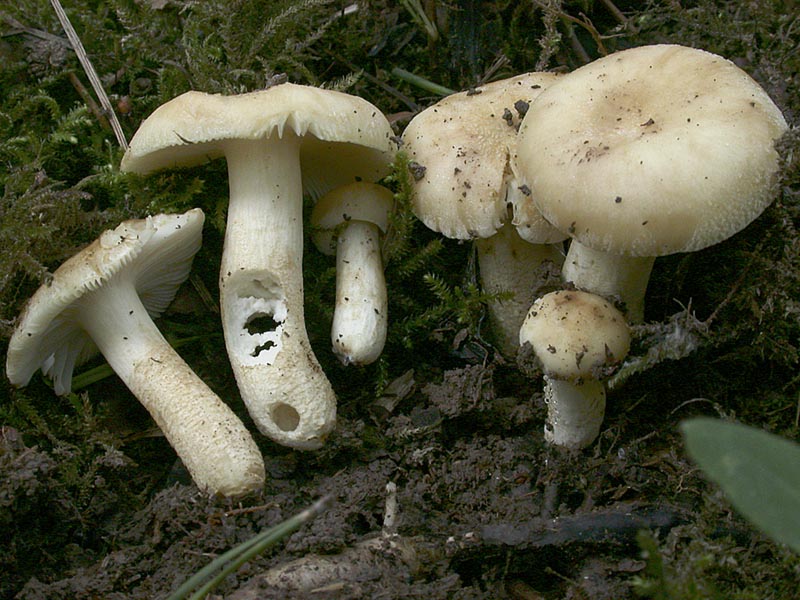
point(651, 151)
point(359, 201)
point(155, 254)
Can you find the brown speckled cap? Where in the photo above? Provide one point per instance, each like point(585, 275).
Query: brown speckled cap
point(651, 151)
point(463, 145)
point(575, 334)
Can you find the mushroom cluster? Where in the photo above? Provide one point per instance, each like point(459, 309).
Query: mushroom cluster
point(614, 156)
point(632, 165)
point(279, 143)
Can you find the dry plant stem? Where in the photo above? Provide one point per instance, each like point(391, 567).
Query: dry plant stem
point(261, 295)
point(508, 263)
point(211, 441)
point(574, 412)
point(77, 46)
point(360, 320)
point(614, 277)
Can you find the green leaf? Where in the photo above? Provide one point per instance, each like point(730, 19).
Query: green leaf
point(758, 471)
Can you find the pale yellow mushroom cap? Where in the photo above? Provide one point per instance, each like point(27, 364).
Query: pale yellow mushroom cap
point(345, 138)
point(651, 151)
point(464, 142)
point(360, 201)
point(575, 335)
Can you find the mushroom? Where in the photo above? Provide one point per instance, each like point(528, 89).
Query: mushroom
point(277, 142)
point(464, 189)
point(348, 222)
point(105, 298)
point(647, 152)
point(578, 338)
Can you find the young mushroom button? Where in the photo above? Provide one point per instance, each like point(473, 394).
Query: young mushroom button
point(278, 143)
point(465, 189)
point(103, 298)
point(349, 222)
point(646, 152)
point(578, 338)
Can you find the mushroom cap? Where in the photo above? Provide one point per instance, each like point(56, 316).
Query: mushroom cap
point(359, 201)
point(576, 335)
point(154, 253)
point(465, 142)
point(345, 138)
point(651, 151)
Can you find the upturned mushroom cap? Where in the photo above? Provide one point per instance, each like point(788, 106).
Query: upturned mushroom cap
point(342, 139)
point(104, 298)
point(359, 201)
point(651, 151)
point(155, 253)
point(464, 143)
point(576, 335)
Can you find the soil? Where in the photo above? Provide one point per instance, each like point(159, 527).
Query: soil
point(484, 508)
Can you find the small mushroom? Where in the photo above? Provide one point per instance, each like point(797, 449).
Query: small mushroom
point(578, 338)
point(105, 298)
point(647, 152)
point(278, 143)
point(348, 222)
point(467, 191)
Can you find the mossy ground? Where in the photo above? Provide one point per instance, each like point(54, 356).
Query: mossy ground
point(91, 502)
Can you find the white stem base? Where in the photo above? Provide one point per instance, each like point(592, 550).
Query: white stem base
point(212, 442)
point(261, 295)
point(508, 263)
point(574, 412)
point(610, 276)
point(360, 319)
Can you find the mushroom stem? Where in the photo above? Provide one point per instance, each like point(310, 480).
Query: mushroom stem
point(508, 263)
point(212, 442)
point(360, 320)
point(261, 294)
point(574, 412)
point(612, 276)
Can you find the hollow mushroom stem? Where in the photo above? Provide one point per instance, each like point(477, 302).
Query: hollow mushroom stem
point(261, 294)
point(360, 319)
point(612, 276)
point(574, 412)
point(508, 263)
point(211, 441)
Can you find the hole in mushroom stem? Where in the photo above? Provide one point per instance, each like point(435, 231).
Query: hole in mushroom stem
point(262, 347)
point(260, 323)
point(255, 313)
point(285, 417)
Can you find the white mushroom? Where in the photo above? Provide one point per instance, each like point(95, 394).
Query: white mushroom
point(348, 222)
point(465, 189)
point(646, 152)
point(277, 142)
point(578, 337)
point(105, 298)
